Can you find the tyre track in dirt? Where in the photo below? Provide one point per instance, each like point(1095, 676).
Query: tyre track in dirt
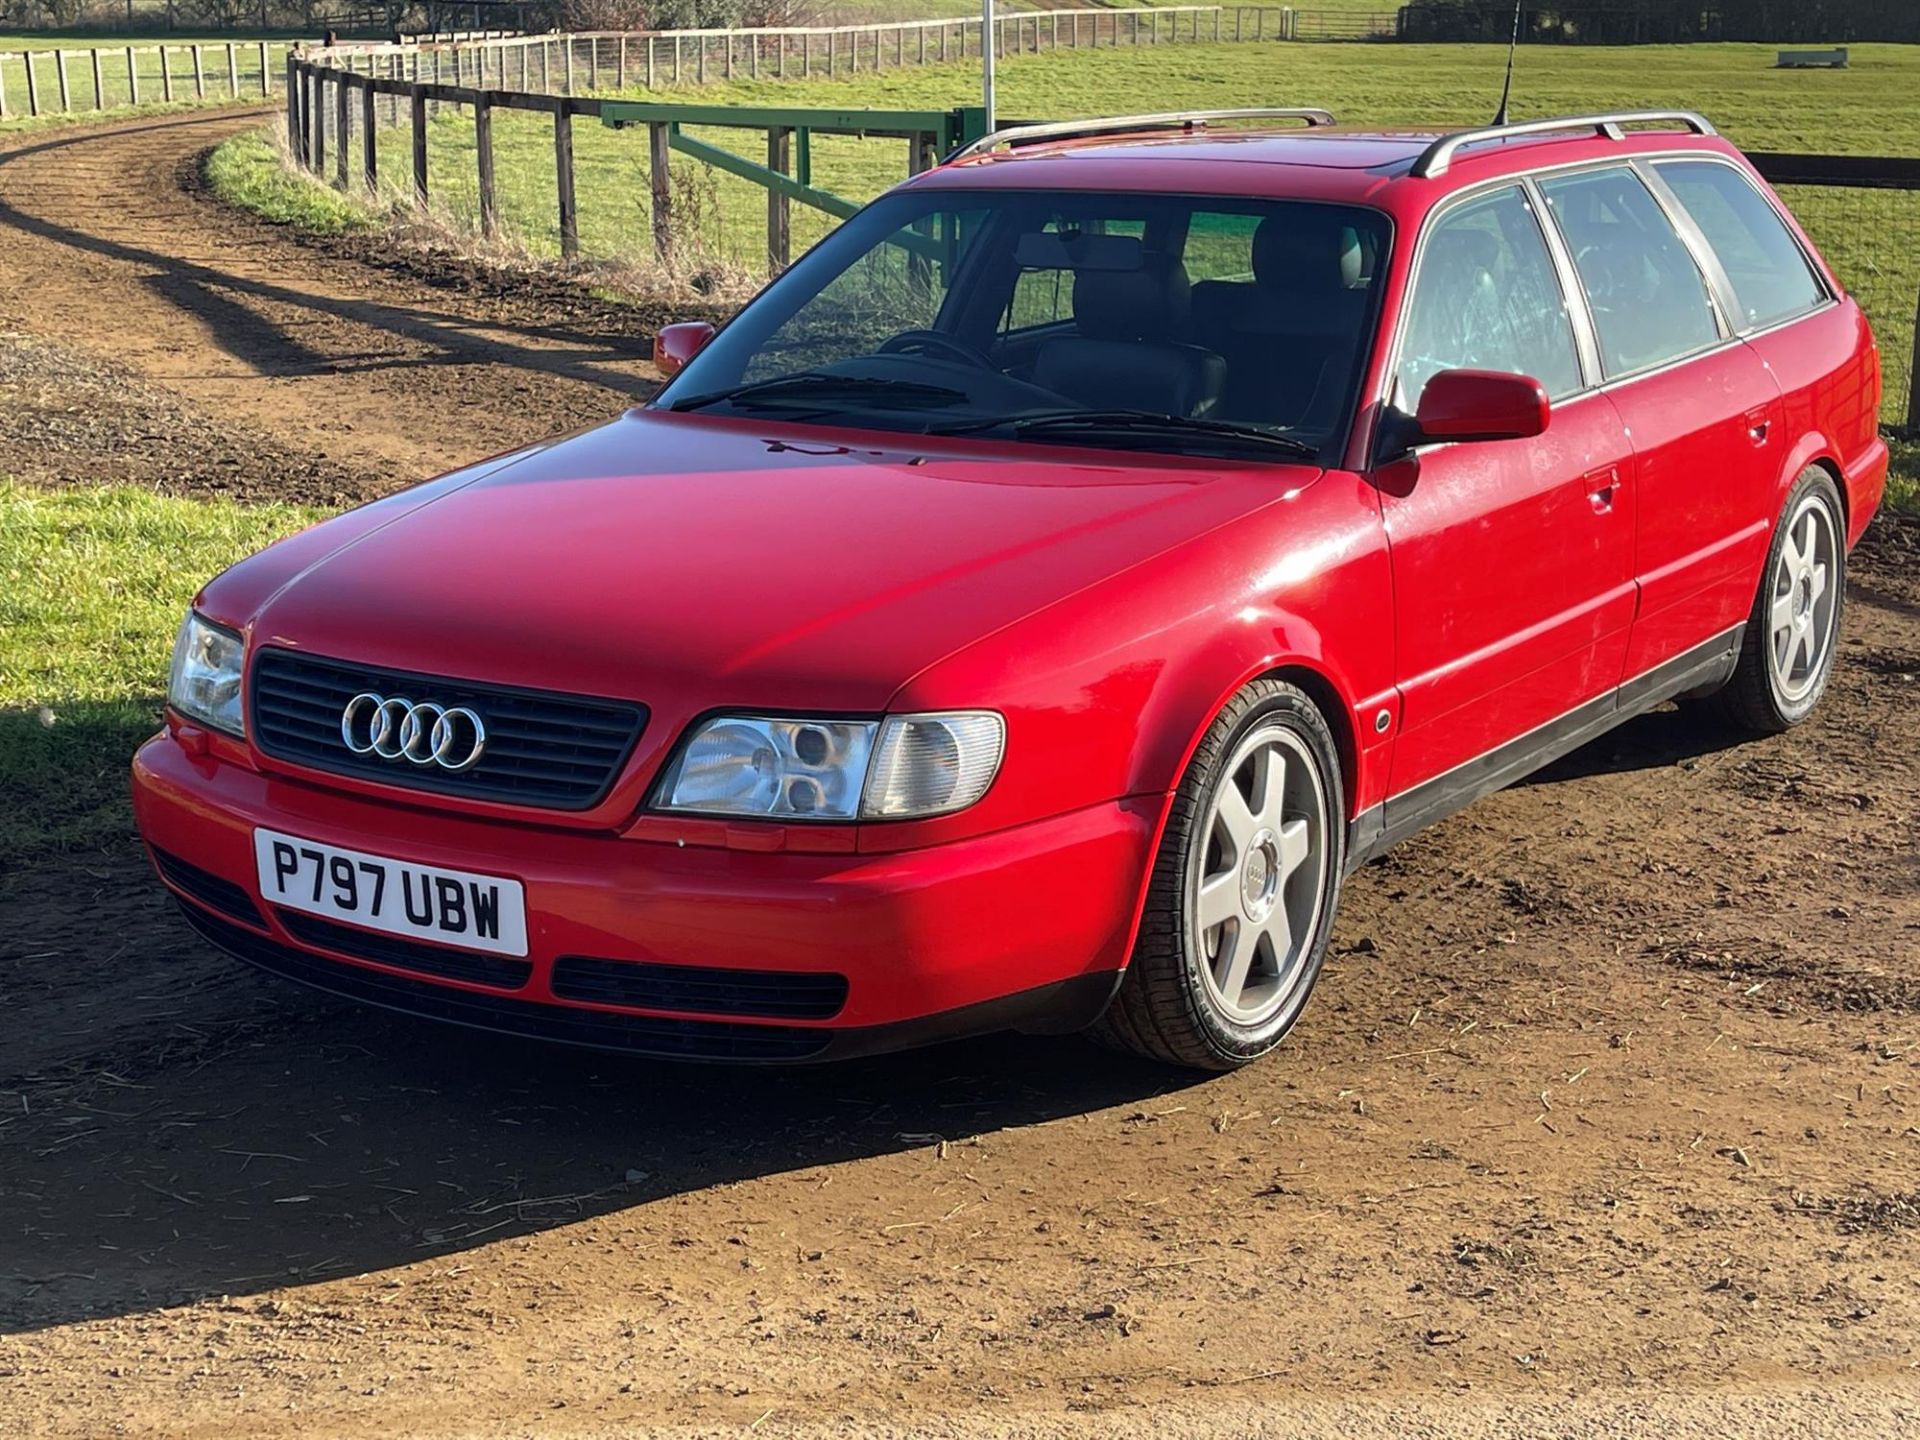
point(1603, 1121)
point(107, 243)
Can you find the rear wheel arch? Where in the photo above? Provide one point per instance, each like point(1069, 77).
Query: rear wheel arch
point(1810, 450)
point(1826, 462)
point(1761, 696)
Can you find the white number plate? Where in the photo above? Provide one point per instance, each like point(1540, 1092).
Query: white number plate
point(422, 902)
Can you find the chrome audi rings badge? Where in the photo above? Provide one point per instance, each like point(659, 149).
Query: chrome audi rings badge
point(424, 733)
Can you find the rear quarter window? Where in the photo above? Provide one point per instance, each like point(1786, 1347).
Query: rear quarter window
point(1771, 278)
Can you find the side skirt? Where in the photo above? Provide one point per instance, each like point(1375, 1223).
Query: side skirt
point(1378, 829)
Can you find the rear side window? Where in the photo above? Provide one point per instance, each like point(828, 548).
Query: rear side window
point(1771, 278)
point(1488, 298)
point(1649, 299)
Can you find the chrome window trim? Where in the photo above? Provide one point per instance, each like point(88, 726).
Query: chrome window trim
point(1776, 207)
point(1720, 292)
point(1772, 325)
point(1586, 334)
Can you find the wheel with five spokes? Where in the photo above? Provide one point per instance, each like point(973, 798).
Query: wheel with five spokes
point(1793, 632)
point(1243, 890)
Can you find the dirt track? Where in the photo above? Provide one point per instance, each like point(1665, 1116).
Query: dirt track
point(1605, 1109)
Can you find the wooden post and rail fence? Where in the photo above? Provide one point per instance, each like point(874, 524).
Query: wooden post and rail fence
point(106, 77)
point(69, 80)
point(313, 124)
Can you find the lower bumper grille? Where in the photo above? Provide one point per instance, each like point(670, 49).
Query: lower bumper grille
point(209, 889)
point(774, 994)
point(635, 1034)
point(501, 971)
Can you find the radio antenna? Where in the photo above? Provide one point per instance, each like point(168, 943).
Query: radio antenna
point(1513, 44)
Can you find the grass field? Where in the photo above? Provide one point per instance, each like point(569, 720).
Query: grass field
point(95, 581)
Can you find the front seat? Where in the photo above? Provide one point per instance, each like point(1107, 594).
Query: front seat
point(1128, 354)
point(1289, 337)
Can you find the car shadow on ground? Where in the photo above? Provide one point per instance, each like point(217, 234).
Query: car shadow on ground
point(1672, 735)
point(185, 1129)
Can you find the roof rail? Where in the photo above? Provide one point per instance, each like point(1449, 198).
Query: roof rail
point(1117, 124)
point(1435, 159)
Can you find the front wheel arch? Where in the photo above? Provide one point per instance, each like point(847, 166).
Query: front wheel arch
point(1319, 684)
point(1163, 1009)
point(1334, 707)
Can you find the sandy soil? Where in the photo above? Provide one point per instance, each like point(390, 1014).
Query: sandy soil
point(1604, 1120)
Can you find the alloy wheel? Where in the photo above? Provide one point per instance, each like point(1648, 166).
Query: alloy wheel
point(1258, 889)
point(1804, 601)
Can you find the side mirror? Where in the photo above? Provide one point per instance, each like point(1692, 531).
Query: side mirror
point(1482, 405)
point(675, 345)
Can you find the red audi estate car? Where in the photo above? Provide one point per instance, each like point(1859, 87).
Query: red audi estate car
point(1031, 606)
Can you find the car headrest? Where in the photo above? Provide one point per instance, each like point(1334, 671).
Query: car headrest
point(1150, 303)
point(1462, 253)
point(1307, 250)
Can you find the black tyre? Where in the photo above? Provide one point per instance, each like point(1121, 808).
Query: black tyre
point(1793, 631)
point(1243, 891)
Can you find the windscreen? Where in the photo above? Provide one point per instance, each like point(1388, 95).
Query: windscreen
point(1167, 323)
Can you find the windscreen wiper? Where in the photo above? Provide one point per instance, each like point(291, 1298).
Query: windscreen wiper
point(1134, 423)
point(812, 386)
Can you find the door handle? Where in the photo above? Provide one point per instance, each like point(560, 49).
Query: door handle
point(1758, 424)
point(1602, 485)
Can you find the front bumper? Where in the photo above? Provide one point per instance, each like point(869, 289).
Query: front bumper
point(722, 954)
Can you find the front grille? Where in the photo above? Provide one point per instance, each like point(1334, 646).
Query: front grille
point(555, 752)
point(502, 971)
point(775, 994)
point(635, 1034)
point(209, 889)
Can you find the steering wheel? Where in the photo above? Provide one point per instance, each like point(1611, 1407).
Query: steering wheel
point(932, 342)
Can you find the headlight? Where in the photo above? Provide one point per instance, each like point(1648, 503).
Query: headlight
point(205, 684)
point(745, 765)
point(902, 768)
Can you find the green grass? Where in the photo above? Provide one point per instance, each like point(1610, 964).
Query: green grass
point(92, 586)
point(1861, 110)
point(248, 171)
point(1903, 479)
